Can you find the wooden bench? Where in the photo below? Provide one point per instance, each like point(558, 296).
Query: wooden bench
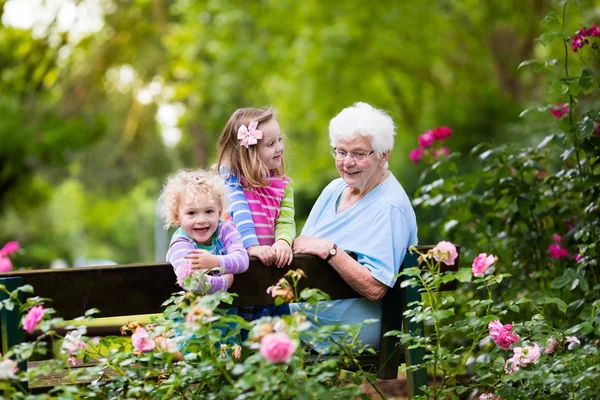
point(135, 289)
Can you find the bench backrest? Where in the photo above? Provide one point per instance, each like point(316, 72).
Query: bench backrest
point(134, 289)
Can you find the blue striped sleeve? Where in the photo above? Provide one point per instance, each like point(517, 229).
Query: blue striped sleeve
point(239, 210)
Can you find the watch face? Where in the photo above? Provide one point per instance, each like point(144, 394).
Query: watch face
point(333, 252)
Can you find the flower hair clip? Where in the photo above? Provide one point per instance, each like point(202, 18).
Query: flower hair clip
point(249, 136)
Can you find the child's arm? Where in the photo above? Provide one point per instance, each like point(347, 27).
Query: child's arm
point(178, 250)
point(236, 260)
point(285, 226)
point(285, 229)
point(240, 212)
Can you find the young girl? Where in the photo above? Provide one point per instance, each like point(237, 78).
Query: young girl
point(194, 201)
point(261, 197)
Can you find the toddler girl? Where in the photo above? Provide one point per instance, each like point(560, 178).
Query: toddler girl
point(194, 201)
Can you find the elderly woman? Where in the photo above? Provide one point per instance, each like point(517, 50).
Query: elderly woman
point(366, 212)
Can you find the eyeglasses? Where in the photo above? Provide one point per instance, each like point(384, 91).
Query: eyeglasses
point(355, 155)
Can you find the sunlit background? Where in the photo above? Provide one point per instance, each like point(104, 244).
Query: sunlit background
point(100, 100)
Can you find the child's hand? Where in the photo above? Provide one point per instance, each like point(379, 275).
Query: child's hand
point(230, 279)
point(283, 253)
point(264, 253)
point(202, 259)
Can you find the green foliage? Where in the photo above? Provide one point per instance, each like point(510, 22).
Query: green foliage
point(192, 351)
point(533, 204)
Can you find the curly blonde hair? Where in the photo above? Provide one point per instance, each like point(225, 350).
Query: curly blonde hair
point(186, 185)
point(241, 161)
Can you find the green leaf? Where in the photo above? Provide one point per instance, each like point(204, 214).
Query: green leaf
point(464, 275)
point(549, 37)
point(26, 289)
point(587, 79)
point(562, 306)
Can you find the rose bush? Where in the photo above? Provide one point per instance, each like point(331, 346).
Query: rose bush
point(193, 351)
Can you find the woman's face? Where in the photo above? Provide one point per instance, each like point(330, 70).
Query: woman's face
point(363, 174)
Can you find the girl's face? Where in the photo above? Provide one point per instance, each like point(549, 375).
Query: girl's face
point(270, 147)
point(199, 218)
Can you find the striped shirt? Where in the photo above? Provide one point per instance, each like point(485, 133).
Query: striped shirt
point(226, 245)
point(262, 215)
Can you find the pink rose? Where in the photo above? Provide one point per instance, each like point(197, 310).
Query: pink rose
point(445, 252)
point(277, 347)
point(165, 344)
point(141, 341)
point(572, 339)
point(441, 152)
point(482, 262)
point(9, 248)
point(559, 110)
point(33, 317)
point(501, 334)
point(416, 155)
point(442, 133)
point(5, 264)
point(552, 343)
point(426, 140)
point(8, 369)
point(557, 238)
point(183, 272)
point(511, 365)
point(578, 258)
point(72, 343)
point(555, 251)
point(505, 339)
point(527, 355)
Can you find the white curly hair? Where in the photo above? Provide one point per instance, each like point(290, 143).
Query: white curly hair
point(362, 119)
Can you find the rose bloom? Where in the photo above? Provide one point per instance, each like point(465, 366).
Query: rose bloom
point(5, 264)
point(555, 251)
point(8, 369)
point(426, 139)
point(442, 133)
point(502, 335)
point(560, 110)
point(416, 155)
point(277, 348)
point(141, 341)
point(445, 252)
point(183, 272)
point(442, 151)
point(505, 339)
point(572, 339)
point(9, 248)
point(72, 343)
point(482, 262)
point(527, 355)
point(552, 343)
point(33, 317)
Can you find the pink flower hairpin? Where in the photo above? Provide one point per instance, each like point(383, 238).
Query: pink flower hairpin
point(248, 136)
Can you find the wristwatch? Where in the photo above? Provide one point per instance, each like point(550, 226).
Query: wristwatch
point(332, 252)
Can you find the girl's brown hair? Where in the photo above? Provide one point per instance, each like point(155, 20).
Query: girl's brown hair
point(242, 161)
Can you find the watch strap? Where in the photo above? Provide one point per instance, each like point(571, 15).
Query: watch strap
point(332, 252)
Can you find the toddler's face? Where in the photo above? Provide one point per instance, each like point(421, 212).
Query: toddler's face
point(199, 218)
point(270, 147)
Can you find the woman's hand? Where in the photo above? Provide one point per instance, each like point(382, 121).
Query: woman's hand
point(283, 253)
point(310, 245)
point(202, 259)
point(264, 253)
